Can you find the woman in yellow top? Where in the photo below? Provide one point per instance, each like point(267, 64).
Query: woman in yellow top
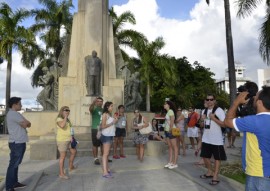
point(63, 138)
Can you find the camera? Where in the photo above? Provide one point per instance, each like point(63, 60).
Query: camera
point(207, 126)
point(248, 108)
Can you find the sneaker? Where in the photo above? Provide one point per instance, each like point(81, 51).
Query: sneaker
point(173, 166)
point(168, 165)
point(123, 156)
point(19, 185)
point(116, 157)
point(96, 162)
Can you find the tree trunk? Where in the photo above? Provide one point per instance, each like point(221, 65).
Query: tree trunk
point(230, 55)
point(8, 84)
point(148, 97)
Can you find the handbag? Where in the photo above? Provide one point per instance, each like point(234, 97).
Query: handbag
point(176, 132)
point(146, 130)
point(73, 142)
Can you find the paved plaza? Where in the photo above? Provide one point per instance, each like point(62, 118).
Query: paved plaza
point(129, 174)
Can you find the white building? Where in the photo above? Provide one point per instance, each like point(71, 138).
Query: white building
point(263, 77)
point(241, 79)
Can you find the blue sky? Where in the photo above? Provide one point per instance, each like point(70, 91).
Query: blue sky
point(190, 28)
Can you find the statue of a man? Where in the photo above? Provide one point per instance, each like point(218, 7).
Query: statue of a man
point(134, 98)
point(45, 96)
point(93, 68)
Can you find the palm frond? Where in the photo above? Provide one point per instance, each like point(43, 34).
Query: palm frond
point(264, 38)
point(245, 7)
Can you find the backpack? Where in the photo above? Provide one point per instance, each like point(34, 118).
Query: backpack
point(223, 129)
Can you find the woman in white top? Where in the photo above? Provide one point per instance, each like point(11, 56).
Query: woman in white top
point(107, 134)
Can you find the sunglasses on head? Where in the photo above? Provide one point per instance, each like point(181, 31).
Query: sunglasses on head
point(209, 99)
point(66, 110)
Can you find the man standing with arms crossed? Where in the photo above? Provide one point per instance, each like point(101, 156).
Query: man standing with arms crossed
point(256, 139)
point(18, 137)
point(212, 139)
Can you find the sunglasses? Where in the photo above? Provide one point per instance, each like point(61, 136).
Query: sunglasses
point(209, 99)
point(67, 110)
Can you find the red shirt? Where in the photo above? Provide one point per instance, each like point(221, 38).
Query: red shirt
point(194, 117)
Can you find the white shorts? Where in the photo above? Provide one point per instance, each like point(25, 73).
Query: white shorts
point(192, 132)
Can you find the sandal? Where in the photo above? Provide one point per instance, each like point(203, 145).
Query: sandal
point(107, 176)
point(64, 177)
point(214, 182)
point(204, 176)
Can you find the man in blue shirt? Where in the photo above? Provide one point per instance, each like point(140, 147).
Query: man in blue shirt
point(256, 140)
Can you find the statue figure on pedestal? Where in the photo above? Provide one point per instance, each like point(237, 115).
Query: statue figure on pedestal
point(133, 98)
point(45, 97)
point(93, 68)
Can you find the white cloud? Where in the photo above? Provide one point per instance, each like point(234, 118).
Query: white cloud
point(202, 37)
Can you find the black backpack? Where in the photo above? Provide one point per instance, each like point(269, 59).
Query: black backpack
point(223, 129)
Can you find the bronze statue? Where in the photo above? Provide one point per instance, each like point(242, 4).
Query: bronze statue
point(93, 68)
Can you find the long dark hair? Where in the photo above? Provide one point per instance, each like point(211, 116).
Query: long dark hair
point(172, 107)
point(155, 127)
point(106, 107)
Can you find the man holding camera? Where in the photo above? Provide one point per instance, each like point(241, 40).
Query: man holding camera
point(212, 140)
point(256, 140)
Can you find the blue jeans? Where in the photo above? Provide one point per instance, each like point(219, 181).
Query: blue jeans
point(16, 155)
point(254, 183)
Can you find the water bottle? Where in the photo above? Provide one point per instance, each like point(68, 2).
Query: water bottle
point(72, 131)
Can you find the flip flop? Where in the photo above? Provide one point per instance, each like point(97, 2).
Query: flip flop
point(214, 182)
point(107, 176)
point(204, 176)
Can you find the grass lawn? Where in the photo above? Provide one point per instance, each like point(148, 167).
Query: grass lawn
point(234, 171)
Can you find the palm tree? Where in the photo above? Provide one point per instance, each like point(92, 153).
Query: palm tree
point(245, 8)
point(153, 62)
point(49, 22)
point(230, 53)
point(16, 37)
point(124, 36)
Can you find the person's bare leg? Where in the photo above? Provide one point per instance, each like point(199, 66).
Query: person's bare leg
point(121, 145)
point(141, 152)
point(115, 144)
point(61, 163)
point(217, 167)
point(170, 150)
point(182, 141)
point(207, 163)
point(95, 151)
point(175, 150)
point(106, 150)
point(192, 142)
point(71, 158)
point(138, 151)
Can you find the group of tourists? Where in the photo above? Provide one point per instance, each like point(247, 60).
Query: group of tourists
point(110, 128)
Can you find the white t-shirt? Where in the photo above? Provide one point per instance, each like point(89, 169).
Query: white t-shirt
point(213, 135)
point(109, 131)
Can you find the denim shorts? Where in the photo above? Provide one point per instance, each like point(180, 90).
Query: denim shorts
point(169, 135)
point(106, 139)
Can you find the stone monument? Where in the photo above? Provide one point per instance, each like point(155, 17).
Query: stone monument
point(91, 30)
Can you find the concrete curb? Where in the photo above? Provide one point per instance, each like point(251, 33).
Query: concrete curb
point(34, 179)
